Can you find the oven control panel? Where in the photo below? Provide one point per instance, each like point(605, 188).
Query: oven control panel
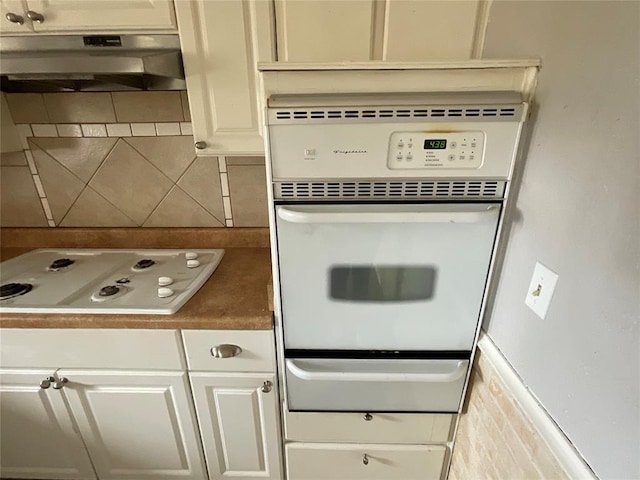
point(423, 150)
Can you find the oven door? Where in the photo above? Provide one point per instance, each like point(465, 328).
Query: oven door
point(383, 277)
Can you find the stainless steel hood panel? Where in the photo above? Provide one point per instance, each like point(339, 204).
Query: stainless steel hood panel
point(91, 62)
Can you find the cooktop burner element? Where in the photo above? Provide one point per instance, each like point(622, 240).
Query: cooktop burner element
point(143, 265)
point(104, 281)
point(108, 291)
point(59, 264)
point(11, 290)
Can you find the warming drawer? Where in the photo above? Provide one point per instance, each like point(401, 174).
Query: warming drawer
point(361, 385)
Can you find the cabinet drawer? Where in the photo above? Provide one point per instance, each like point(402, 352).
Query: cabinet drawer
point(257, 355)
point(91, 348)
point(309, 461)
point(412, 428)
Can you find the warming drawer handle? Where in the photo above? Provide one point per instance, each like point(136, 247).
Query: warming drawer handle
point(457, 373)
point(296, 216)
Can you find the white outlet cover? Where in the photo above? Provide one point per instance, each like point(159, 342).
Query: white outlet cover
point(545, 280)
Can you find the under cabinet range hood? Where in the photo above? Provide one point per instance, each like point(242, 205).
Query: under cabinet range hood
point(53, 63)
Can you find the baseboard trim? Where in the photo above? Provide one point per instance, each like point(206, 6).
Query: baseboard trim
point(568, 457)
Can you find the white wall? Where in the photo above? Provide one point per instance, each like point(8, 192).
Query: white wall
point(578, 212)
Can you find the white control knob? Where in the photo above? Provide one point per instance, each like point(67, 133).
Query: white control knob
point(191, 255)
point(164, 281)
point(164, 292)
point(193, 263)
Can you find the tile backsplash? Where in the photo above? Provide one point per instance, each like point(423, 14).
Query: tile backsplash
point(121, 159)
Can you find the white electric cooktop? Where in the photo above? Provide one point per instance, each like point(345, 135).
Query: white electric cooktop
point(153, 282)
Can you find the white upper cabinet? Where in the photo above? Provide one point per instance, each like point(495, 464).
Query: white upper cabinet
point(221, 43)
point(388, 30)
point(67, 16)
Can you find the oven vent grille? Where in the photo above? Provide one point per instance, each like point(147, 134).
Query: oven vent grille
point(401, 189)
point(472, 112)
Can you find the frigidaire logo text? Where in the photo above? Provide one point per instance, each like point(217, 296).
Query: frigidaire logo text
point(348, 152)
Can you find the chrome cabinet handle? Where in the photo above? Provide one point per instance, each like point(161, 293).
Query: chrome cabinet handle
point(201, 145)
point(35, 16)
point(368, 417)
point(365, 459)
point(58, 384)
point(46, 383)
point(266, 387)
point(225, 351)
point(13, 18)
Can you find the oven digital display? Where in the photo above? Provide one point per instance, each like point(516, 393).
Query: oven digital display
point(438, 144)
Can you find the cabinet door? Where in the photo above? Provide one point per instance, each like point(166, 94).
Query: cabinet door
point(388, 30)
point(14, 7)
point(239, 424)
point(103, 15)
point(325, 31)
point(136, 424)
point(221, 43)
point(38, 438)
point(428, 30)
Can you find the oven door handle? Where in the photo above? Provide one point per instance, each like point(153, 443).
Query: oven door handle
point(457, 373)
point(297, 216)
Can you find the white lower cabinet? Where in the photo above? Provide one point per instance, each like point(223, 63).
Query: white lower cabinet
point(87, 404)
point(331, 461)
point(238, 417)
point(136, 425)
point(38, 438)
point(233, 382)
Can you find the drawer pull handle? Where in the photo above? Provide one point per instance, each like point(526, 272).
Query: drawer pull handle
point(225, 351)
point(365, 459)
point(368, 417)
point(266, 387)
point(456, 374)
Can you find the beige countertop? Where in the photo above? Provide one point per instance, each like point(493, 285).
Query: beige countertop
point(234, 298)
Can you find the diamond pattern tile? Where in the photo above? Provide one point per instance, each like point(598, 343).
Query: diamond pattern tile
point(82, 156)
point(60, 185)
point(172, 155)
point(92, 210)
point(130, 182)
point(202, 182)
point(180, 210)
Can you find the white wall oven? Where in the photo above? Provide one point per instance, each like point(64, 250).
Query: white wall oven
point(386, 216)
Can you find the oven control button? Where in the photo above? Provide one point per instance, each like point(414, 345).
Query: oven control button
point(164, 292)
point(400, 144)
point(451, 158)
point(399, 157)
point(409, 157)
point(191, 255)
point(164, 281)
point(453, 145)
point(193, 263)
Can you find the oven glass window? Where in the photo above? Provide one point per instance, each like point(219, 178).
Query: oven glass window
point(397, 283)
